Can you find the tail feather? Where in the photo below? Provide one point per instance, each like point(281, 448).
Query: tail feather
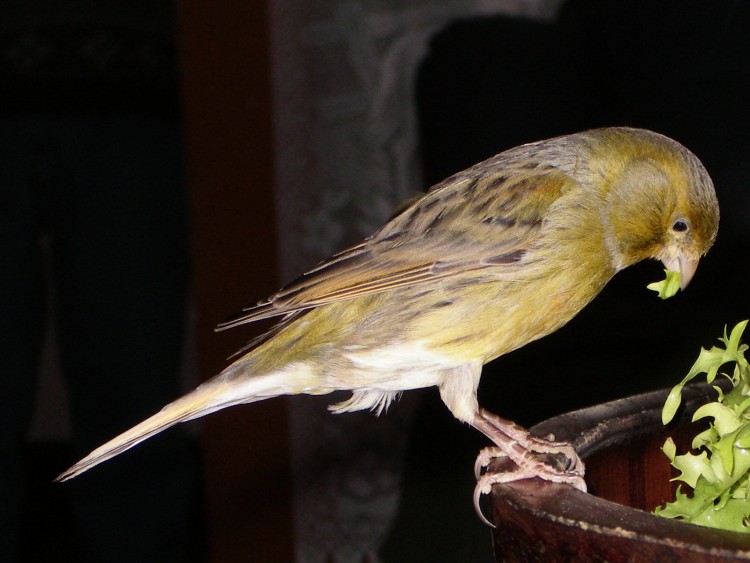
point(210, 397)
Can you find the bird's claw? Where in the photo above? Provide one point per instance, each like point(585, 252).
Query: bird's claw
point(486, 481)
point(526, 455)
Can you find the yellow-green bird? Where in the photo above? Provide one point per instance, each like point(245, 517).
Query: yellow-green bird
point(486, 261)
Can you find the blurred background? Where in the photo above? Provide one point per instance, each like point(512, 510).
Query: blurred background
point(163, 164)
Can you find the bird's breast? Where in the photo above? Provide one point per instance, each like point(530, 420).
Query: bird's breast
point(493, 318)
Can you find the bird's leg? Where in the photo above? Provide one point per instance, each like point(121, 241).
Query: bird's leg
point(532, 456)
point(515, 442)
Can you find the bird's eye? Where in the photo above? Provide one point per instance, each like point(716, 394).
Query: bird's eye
point(680, 226)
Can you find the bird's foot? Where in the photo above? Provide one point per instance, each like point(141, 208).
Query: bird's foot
point(531, 457)
point(515, 442)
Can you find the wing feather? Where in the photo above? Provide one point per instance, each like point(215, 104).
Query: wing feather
point(488, 216)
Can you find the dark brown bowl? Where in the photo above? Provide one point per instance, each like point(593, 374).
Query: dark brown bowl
point(627, 476)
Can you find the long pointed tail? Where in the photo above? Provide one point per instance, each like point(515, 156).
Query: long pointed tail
point(214, 395)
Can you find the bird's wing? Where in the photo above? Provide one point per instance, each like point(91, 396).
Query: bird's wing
point(476, 220)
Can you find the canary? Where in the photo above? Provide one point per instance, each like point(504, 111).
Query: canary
point(485, 262)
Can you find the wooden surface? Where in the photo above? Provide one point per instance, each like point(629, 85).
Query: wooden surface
point(226, 95)
point(619, 442)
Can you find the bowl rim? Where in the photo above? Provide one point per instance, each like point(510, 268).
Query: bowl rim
point(583, 515)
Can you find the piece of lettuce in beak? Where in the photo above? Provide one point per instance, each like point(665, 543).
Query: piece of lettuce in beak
point(667, 287)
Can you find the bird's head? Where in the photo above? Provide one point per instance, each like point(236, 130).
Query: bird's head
point(661, 204)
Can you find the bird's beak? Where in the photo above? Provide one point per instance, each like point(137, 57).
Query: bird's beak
point(685, 266)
